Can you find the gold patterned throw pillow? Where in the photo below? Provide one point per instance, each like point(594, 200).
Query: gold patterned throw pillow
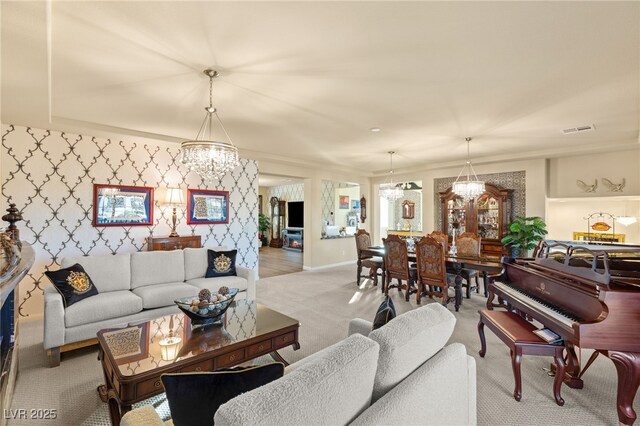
point(73, 284)
point(221, 263)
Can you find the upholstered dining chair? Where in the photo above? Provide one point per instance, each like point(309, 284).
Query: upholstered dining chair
point(442, 238)
point(469, 245)
point(431, 270)
point(396, 263)
point(374, 263)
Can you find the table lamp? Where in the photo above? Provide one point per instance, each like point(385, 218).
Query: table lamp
point(174, 199)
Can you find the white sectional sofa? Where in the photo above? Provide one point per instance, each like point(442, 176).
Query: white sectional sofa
point(132, 287)
point(400, 374)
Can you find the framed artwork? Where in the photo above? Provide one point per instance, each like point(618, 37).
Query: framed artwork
point(344, 202)
point(207, 207)
point(355, 205)
point(116, 205)
point(259, 204)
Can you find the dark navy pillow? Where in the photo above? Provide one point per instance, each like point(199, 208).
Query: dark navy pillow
point(72, 283)
point(195, 397)
point(386, 312)
point(221, 263)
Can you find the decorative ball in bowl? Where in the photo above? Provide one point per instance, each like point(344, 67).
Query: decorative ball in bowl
point(207, 308)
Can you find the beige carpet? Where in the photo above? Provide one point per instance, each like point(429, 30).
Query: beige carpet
point(324, 301)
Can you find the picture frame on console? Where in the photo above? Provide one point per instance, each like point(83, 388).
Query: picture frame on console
point(118, 205)
point(207, 207)
point(343, 202)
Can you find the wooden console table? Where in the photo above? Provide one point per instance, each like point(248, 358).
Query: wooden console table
point(173, 243)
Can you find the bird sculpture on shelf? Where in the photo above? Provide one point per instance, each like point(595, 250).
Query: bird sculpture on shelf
point(585, 187)
point(613, 187)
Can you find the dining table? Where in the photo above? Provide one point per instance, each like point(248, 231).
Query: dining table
point(455, 265)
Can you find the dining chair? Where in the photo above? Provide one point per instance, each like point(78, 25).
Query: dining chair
point(374, 263)
point(431, 270)
point(396, 263)
point(469, 245)
point(442, 238)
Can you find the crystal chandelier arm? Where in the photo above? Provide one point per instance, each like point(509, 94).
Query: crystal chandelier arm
point(203, 127)
point(223, 128)
point(472, 171)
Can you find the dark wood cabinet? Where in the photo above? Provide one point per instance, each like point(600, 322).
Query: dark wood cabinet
point(487, 216)
point(277, 221)
point(173, 243)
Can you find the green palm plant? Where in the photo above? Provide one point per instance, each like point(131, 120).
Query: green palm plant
point(524, 234)
point(264, 224)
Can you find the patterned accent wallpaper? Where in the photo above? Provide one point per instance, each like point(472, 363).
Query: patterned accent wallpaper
point(50, 175)
point(293, 192)
point(508, 180)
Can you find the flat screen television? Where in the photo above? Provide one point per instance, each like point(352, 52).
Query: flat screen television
point(295, 214)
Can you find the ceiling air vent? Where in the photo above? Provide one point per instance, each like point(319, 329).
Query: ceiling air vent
point(579, 129)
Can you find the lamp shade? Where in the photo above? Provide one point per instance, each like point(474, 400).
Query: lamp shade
point(173, 197)
point(169, 347)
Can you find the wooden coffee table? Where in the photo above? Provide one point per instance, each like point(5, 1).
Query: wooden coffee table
point(133, 359)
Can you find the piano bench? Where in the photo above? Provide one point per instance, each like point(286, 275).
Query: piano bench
point(517, 334)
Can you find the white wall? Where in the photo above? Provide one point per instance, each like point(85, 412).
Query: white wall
point(615, 166)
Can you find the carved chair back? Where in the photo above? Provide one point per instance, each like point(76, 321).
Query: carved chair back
point(430, 262)
point(442, 238)
point(363, 241)
point(396, 258)
point(468, 244)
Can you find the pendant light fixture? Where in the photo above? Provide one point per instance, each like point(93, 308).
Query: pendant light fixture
point(468, 189)
point(209, 158)
point(389, 190)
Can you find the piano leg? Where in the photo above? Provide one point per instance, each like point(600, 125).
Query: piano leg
point(628, 368)
point(557, 381)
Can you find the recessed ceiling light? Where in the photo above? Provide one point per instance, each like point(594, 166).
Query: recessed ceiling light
point(375, 129)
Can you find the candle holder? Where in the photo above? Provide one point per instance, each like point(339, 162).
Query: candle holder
point(12, 217)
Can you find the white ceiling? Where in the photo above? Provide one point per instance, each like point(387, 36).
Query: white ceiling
point(274, 180)
point(305, 81)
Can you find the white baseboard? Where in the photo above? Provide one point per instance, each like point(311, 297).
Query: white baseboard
point(315, 268)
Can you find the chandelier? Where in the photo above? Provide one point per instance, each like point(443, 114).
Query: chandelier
point(468, 189)
point(388, 190)
point(626, 220)
point(208, 158)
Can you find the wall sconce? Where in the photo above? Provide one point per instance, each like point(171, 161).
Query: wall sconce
point(174, 199)
point(170, 345)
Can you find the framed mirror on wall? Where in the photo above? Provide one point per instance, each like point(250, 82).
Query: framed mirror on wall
point(408, 209)
point(403, 216)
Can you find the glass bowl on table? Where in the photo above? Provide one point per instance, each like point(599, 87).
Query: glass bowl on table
point(203, 312)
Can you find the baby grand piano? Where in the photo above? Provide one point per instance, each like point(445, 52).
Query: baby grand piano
point(589, 295)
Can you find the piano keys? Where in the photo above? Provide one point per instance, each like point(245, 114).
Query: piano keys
point(589, 295)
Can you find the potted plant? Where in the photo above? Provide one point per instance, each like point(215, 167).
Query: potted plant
point(264, 224)
point(524, 234)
